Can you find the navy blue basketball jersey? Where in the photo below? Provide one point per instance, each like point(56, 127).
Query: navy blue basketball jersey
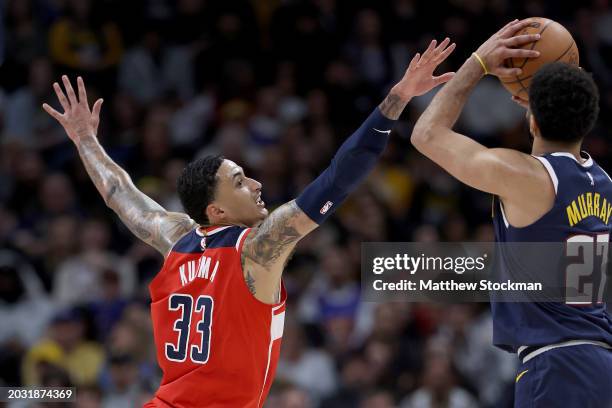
point(582, 211)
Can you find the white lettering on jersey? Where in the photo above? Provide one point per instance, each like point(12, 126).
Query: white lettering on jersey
point(199, 268)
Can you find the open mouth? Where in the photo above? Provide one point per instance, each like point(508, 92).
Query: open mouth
point(260, 202)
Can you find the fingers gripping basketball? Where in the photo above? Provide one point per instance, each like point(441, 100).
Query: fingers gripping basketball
point(555, 44)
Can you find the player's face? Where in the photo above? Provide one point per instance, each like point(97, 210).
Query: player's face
point(238, 198)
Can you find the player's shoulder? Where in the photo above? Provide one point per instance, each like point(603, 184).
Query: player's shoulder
point(604, 174)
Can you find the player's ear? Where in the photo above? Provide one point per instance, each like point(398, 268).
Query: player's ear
point(533, 126)
point(214, 213)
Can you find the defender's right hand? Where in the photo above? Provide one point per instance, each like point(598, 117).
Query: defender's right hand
point(78, 121)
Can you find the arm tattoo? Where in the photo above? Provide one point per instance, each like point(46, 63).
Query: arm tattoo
point(148, 220)
point(393, 106)
point(250, 281)
point(274, 238)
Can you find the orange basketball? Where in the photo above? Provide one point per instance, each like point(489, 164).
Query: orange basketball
point(555, 44)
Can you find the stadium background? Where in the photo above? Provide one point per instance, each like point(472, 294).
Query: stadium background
point(276, 86)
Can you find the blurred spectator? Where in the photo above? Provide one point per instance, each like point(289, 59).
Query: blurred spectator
point(189, 123)
point(484, 120)
point(25, 121)
point(368, 52)
point(291, 397)
point(150, 70)
point(65, 346)
point(95, 274)
point(229, 141)
point(89, 397)
point(356, 378)
point(27, 170)
point(468, 334)
point(379, 399)
point(439, 385)
point(8, 223)
point(310, 369)
point(364, 216)
point(333, 291)
point(123, 390)
point(61, 240)
point(81, 41)
point(23, 41)
point(264, 125)
point(153, 149)
point(25, 309)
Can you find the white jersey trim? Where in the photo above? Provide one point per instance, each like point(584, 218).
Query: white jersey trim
point(277, 324)
point(212, 231)
point(550, 170)
point(263, 387)
point(607, 175)
point(503, 213)
point(587, 163)
point(568, 343)
point(240, 238)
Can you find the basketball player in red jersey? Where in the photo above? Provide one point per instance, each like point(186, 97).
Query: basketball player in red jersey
point(218, 303)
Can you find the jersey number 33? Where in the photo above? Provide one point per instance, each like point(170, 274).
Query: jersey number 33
point(199, 348)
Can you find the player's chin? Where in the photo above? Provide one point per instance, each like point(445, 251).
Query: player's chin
point(259, 217)
point(259, 210)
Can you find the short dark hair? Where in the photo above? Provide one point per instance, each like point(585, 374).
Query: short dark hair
point(564, 101)
point(196, 186)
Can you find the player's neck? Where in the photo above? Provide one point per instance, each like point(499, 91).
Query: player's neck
point(541, 147)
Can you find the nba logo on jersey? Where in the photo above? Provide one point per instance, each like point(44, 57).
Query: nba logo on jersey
point(326, 207)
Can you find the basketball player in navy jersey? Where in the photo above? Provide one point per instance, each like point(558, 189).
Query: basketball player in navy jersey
point(564, 350)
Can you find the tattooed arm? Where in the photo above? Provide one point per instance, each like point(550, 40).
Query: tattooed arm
point(148, 220)
point(267, 249)
point(143, 216)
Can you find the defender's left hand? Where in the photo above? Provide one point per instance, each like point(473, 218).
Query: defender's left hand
point(419, 78)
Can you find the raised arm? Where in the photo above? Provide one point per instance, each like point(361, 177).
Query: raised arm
point(149, 221)
point(267, 248)
point(504, 172)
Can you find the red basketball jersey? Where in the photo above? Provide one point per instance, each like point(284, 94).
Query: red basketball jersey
point(217, 345)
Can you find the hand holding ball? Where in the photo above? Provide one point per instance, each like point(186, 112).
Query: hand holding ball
point(520, 48)
point(555, 44)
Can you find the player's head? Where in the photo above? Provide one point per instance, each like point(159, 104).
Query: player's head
point(564, 103)
point(214, 190)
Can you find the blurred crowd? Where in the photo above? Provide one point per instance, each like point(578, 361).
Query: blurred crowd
point(275, 85)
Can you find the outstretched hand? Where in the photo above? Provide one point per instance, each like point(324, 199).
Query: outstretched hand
point(78, 121)
point(419, 78)
point(506, 44)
